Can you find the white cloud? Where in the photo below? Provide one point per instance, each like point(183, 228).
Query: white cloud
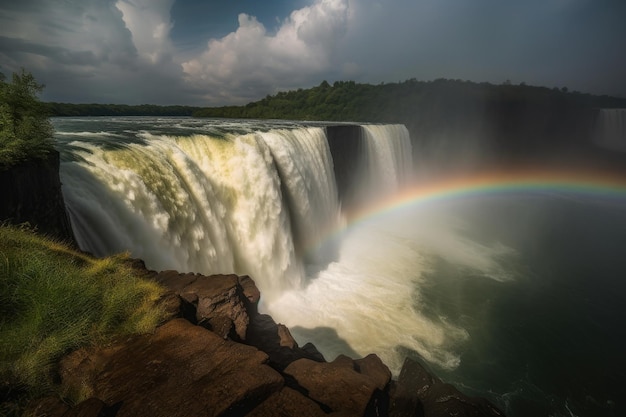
point(149, 24)
point(250, 62)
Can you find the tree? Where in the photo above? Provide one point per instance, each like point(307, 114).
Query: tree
point(25, 131)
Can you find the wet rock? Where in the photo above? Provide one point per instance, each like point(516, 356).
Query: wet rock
point(338, 386)
point(276, 340)
point(419, 393)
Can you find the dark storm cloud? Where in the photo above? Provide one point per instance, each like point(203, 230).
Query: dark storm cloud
point(210, 52)
point(12, 49)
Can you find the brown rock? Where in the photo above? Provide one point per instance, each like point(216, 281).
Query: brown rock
point(79, 369)
point(250, 290)
point(337, 386)
point(180, 370)
point(91, 407)
point(287, 403)
point(286, 339)
point(373, 367)
point(218, 301)
point(276, 340)
point(46, 407)
point(418, 393)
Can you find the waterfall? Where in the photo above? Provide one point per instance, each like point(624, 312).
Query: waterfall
point(254, 202)
point(388, 156)
point(610, 129)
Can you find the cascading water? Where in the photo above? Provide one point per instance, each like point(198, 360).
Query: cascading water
point(610, 129)
point(245, 203)
point(250, 202)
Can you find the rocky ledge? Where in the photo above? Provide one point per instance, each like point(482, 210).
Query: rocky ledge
point(217, 356)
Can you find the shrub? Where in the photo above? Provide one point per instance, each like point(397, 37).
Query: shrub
point(25, 131)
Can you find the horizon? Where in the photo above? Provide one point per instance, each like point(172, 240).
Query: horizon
point(212, 54)
point(522, 84)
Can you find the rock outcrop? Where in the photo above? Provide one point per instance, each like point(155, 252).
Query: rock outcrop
point(217, 356)
point(31, 193)
point(419, 393)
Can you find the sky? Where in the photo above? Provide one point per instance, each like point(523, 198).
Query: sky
point(212, 53)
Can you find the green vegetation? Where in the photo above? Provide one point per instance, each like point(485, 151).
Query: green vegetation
point(25, 131)
point(54, 299)
point(446, 118)
point(399, 102)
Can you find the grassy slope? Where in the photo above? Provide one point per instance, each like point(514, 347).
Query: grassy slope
point(54, 299)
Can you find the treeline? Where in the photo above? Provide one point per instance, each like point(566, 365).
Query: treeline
point(94, 109)
point(350, 101)
point(446, 117)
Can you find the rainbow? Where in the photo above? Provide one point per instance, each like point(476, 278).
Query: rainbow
point(591, 184)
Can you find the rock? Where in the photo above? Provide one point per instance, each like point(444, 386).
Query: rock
point(217, 302)
point(373, 367)
point(180, 370)
point(184, 369)
point(277, 342)
point(338, 387)
point(312, 352)
point(251, 292)
point(31, 193)
point(91, 407)
point(418, 393)
point(46, 407)
point(288, 403)
point(286, 339)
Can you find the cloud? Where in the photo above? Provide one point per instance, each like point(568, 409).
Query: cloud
point(149, 24)
point(122, 50)
point(94, 50)
point(251, 62)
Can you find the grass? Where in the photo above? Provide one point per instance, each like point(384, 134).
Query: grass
point(54, 299)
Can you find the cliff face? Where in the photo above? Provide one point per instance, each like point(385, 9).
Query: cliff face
point(345, 143)
point(31, 193)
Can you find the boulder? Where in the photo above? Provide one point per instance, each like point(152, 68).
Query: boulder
point(217, 302)
point(45, 407)
point(418, 393)
point(338, 386)
point(288, 403)
point(276, 340)
point(180, 370)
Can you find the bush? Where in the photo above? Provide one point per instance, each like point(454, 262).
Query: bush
point(25, 131)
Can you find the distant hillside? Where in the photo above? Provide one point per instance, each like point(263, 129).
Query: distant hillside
point(395, 102)
point(449, 120)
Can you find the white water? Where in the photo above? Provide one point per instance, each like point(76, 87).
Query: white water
point(610, 129)
point(205, 204)
point(264, 203)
